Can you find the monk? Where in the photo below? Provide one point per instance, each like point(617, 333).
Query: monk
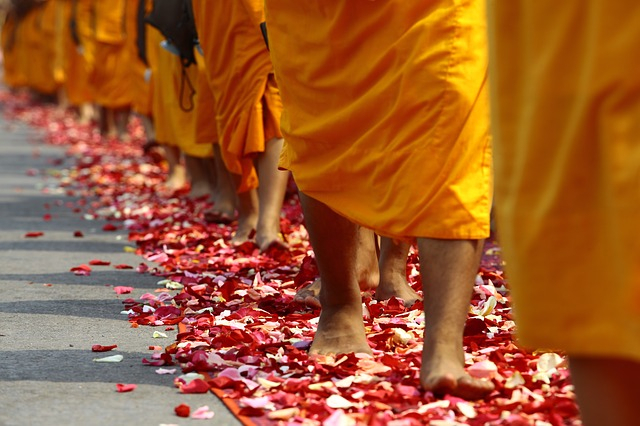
point(566, 98)
point(13, 75)
point(78, 46)
point(386, 127)
point(174, 103)
point(220, 187)
point(38, 56)
point(111, 77)
point(248, 108)
point(139, 71)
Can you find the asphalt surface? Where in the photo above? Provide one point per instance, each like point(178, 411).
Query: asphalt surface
point(50, 318)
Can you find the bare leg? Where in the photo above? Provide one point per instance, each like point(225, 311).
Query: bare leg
point(448, 269)
point(201, 175)
point(607, 390)
point(120, 121)
point(224, 194)
point(335, 243)
point(247, 214)
point(86, 113)
point(393, 272)
point(273, 185)
point(366, 267)
point(147, 125)
point(177, 174)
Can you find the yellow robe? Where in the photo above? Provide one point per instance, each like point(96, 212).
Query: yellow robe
point(77, 60)
point(246, 100)
point(140, 85)
point(38, 29)
point(173, 125)
point(62, 15)
point(566, 98)
point(111, 78)
point(13, 75)
point(386, 111)
point(205, 126)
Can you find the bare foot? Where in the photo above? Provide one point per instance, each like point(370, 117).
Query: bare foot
point(340, 330)
point(447, 377)
point(199, 190)
point(396, 286)
point(177, 179)
point(246, 228)
point(268, 240)
point(310, 294)
point(212, 215)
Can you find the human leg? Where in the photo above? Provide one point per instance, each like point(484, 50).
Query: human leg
point(120, 122)
point(366, 269)
point(201, 175)
point(247, 214)
point(176, 174)
point(273, 185)
point(393, 272)
point(224, 195)
point(448, 269)
point(335, 244)
point(607, 390)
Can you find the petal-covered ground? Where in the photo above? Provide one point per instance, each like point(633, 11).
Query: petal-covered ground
point(243, 336)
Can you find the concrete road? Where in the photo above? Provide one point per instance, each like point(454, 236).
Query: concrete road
point(50, 318)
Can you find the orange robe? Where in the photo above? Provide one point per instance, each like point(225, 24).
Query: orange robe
point(140, 84)
point(77, 60)
point(386, 115)
point(62, 16)
point(566, 98)
point(246, 100)
point(174, 114)
point(38, 30)
point(111, 78)
point(205, 127)
point(13, 75)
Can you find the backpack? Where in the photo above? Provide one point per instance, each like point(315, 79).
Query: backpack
point(174, 19)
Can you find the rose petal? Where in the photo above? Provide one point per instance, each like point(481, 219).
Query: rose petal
point(112, 358)
point(100, 348)
point(202, 413)
point(120, 387)
point(182, 410)
point(195, 386)
point(337, 401)
point(33, 234)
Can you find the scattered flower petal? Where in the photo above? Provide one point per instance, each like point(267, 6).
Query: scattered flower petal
point(120, 387)
point(112, 358)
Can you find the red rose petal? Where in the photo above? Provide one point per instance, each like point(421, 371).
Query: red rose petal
point(99, 262)
point(195, 386)
point(33, 234)
point(121, 387)
point(109, 227)
point(182, 410)
point(123, 266)
point(100, 348)
point(81, 270)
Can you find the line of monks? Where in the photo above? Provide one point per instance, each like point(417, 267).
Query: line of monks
point(386, 121)
point(101, 58)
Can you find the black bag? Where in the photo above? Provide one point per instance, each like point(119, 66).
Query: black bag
point(174, 19)
point(141, 34)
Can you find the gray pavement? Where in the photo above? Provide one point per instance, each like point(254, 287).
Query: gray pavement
point(50, 318)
